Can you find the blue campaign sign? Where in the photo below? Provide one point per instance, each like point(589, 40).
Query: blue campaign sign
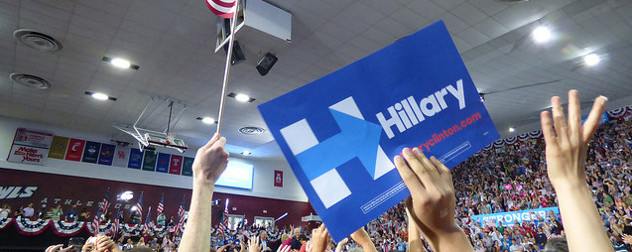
point(508, 219)
point(340, 132)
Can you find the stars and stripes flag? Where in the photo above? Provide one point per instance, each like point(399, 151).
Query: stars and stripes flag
point(222, 8)
point(180, 225)
point(224, 224)
point(148, 219)
point(139, 205)
point(117, 222)
point(103, 206)
point(161, 205)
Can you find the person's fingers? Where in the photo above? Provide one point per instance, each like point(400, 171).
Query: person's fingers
point(417, 167)
point(592, 122)
point(440, 166)
point(430, 167)
point(54, 248)
point(410, 179)
point(574, 114)
point(559, 119)
point(547, 129)
point(69, 248)
point(211, 141)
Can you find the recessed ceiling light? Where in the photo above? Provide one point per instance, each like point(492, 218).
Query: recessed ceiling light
point(100, 96)
point(241, 97)
point(208, 120)
point(541, 34)
point(120, 63)
point(245, 153)
point(511, 129)
point(592, 59)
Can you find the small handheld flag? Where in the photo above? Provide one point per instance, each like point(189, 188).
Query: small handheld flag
point(161, 205)
point(222, 8)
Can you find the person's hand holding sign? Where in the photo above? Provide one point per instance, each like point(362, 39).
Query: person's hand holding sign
point(433, 201)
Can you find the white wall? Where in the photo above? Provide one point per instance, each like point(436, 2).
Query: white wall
point(263, 184)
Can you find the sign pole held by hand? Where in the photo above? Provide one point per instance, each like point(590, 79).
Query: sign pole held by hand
point(227, 67)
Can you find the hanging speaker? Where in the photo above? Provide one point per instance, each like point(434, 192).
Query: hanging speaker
point(266, 63)
point(238, 55)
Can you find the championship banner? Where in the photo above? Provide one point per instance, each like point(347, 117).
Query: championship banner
point(75, 149)
point(121, 156)
point(135, 159)
point(187, 166)
point(507, 219)
point(30, 147)
point(341, 132)
point(176, 165)
point(278, 178)
point(58, 147)
point(91, 152)
point(106, 155)
point(163, 162)
point(149, 161)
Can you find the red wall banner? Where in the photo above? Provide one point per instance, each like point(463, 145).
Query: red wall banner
point(278, 178)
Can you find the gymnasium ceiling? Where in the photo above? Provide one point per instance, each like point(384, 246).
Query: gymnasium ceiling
point(173, 42)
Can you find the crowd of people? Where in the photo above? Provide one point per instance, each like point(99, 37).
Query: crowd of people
point(533, 174)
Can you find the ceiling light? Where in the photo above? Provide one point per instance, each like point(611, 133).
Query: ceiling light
point(541, 34)
point(242, 98)
point(100, 96)
point(511, 129)
point(592, 59)
point(120, 63)
point(208, 120)
point(245, 153)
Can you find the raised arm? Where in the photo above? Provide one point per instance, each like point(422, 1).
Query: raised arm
point(362, 238)
point(566, 148)
point(433, 203)
point(210, 162)
point(414, 237)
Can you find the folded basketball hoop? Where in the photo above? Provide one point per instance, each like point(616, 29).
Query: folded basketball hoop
point(147, 137)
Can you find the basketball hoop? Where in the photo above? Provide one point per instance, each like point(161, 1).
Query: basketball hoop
point(147, 137)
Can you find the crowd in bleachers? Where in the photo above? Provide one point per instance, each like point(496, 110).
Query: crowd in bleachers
point(508, 178)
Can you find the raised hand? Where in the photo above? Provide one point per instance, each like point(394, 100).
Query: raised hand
point(105, 243)
point(320, 238)
point(566, 145)
point(566, 148)
point(58, 248)
point(210, 161)
point(433, 202)
point(254, 245)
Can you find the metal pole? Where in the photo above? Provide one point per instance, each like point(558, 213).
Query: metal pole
point(227, 68)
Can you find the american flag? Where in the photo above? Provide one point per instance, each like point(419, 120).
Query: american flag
point(117, 222)
point(180, 216)
point(161, 205)
point(139, 205)
point(103, 206)
point(222, 8)
point(148, 219)
point(224, 224)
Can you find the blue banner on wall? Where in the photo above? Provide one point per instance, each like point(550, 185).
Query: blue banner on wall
point(508, 218)
point(106, 154)
point(163, 162)
point(135, 159)
point(91, 152)
point(340, 132)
